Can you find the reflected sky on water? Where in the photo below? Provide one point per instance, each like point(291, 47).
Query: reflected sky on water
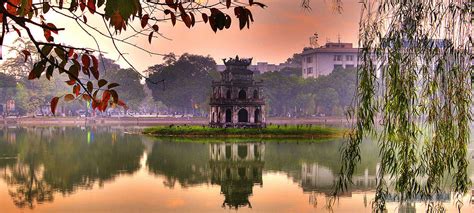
point(78, 169)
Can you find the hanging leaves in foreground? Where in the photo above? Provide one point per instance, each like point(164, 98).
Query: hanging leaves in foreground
point(416, 85)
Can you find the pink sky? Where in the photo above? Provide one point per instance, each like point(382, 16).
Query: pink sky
point(281, 29)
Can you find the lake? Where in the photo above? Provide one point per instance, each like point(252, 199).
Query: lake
point(106, 169)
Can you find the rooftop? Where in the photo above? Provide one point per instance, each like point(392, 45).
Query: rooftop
point(332, 47)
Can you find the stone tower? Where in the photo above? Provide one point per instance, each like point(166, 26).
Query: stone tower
point(237, 99)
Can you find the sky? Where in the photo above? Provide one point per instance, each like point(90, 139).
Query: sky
point(279, 31)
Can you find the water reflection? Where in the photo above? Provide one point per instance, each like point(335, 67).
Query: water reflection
point(237, 168)
point(42, 165)
point(40, 161)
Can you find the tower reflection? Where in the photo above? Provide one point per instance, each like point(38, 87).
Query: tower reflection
point(237, 168)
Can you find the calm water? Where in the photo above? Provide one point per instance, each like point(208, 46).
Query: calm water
point(104, 170)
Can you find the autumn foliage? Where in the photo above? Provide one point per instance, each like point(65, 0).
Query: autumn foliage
point(81, 64)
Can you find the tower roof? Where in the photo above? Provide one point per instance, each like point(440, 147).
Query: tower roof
point(238, 65)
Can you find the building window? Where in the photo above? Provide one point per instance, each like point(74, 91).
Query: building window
point(349, 57)
point(310, 70)
point(337, 66)
point(309, 59)
point(350, 66)
point(338, 58)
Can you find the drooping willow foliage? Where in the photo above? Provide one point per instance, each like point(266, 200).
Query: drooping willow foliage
point(414, 95)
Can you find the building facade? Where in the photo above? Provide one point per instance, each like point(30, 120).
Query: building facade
point(237, 99)
point(323, 60)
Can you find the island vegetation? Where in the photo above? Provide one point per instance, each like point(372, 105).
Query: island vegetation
point(271, 131)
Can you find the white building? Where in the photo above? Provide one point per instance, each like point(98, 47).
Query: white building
point(323, 60)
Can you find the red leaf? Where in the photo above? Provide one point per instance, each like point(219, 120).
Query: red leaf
point(86, 97)
point(47, 34)
point(69, 97)
point(155, 28)
point(122, 104)
point(71, 82)
point(70, 53)
point(12, 6)
point(106, 96)
point(205, 17)
point(54, 104)
point(257, 3)
point(76, 89)
point(53, 28)
point(117, 21)
point(150, 37)
point(227, 3)
point(86, 61)
point(32, 75)
point(85, 19)
point(95, 67)
point(144, 20)
point(173, 18)
point(91, 6)
point(17, 31)
point(171, 4)
point(26, 53)
point(186, 19)
point(82, 5)
point(95, 73)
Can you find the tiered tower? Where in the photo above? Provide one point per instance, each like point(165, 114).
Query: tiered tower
point(237, 99)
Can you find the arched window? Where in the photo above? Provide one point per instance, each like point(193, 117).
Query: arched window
point(228, 116)
point(257, 116)
point(242, 151)
point(243, 115)
point(229, 94)
point(242, 94)
point(255, 94)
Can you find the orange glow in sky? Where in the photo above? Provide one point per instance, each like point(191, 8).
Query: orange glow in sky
point(279, 31)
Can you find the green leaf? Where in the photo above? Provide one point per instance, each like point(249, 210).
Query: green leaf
point(112, 85)
point(46, 7)
point(101, 83)
point(46, 49)
point(49, 72)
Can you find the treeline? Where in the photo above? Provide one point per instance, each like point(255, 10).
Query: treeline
point(181, 85)
point(187, 80)
point(290, 95)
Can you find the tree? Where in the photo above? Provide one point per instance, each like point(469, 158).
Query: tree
point(414, 80)
point(187, 83)
point(21, 16)
point(130, 88)
point(17, 66)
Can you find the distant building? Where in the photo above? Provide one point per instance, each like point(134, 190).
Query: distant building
point(237, 100)
point(323, 60)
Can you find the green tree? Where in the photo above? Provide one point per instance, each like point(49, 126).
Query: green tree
point(187, 83)
point(130, 89)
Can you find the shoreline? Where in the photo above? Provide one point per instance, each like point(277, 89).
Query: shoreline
point(143, 121)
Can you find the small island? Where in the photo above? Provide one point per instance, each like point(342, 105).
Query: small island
point(271, 131)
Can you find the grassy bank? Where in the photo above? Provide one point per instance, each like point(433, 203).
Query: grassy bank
point(270, 132)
